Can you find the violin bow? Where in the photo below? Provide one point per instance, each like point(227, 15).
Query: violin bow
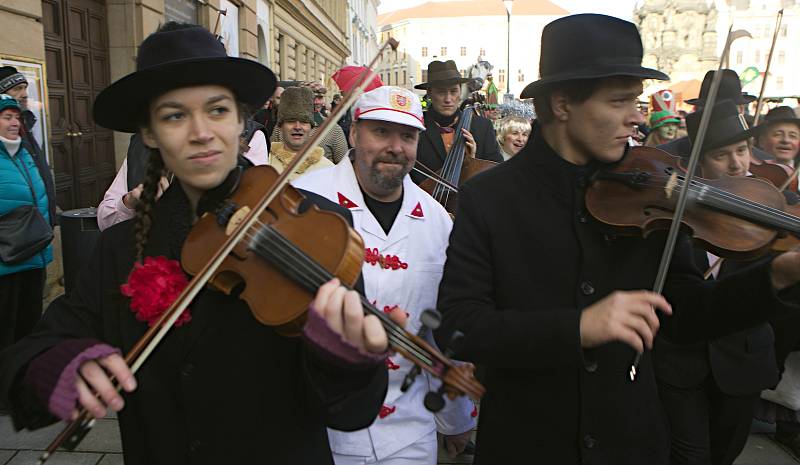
point(78, 428)
point(718, 263)
point(431, 174)
point(778, 21)
point(683, 196)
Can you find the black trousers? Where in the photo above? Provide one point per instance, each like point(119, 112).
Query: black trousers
point(707, 426)
point(20, 304)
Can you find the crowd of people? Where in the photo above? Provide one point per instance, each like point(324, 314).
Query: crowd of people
point(549, 304)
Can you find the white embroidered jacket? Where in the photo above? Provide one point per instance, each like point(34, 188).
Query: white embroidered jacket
point(402, 268)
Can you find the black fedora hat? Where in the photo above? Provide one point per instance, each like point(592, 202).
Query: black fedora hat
point(174, 58)
point(442, 73)
point(589, 46)
point(726, 126)
point(781, 114)
point(730, 88)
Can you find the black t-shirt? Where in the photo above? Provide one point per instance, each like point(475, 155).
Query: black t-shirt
point(384, 212)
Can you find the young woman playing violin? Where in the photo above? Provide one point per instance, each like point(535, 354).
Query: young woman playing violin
point(221, 387)
point(552, 301)
point(709, 389)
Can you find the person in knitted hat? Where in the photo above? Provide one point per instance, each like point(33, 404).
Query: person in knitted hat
point(663, 128)
point(295, 120)
point(14, 83)
point(221, 387)
point(21, 281)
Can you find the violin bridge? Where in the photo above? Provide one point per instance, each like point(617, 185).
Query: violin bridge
point(236, 219)
point(672, 182)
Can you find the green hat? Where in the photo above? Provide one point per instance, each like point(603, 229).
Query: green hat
point(660, 118)
point(7, 101)
point(297, 103)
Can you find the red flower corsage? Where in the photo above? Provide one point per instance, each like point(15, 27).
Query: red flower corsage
point(153, 287)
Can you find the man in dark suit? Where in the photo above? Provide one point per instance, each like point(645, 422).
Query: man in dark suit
point(730, 88)
point(444, 87)
point(551, 301)
point(709, 388)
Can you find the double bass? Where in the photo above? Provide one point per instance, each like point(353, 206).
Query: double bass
point(443, 184)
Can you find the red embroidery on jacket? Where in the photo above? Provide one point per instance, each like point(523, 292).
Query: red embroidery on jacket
point(391, 365)
point(386, 411)
point(474, 411)
point(417, 211)
point(389, 309)
point(345, 202)
point(393, 262)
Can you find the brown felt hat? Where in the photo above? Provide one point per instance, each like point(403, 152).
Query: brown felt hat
point(441, 74)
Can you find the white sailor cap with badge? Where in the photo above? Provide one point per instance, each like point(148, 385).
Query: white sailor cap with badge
point(392, 104)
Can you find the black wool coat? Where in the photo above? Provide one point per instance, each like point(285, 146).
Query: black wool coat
point(515, 283)
point(742, 363)
point(430, 148)
point(221, 389)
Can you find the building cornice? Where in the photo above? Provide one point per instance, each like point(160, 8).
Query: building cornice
point(301, 13)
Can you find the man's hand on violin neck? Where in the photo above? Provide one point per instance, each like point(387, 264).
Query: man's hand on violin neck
point(625, 316)
point(342, 309)
point(786, 269)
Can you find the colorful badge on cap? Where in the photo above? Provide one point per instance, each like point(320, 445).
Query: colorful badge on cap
point(390, 104)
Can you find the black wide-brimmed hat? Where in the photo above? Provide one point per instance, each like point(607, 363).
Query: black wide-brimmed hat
point(782, 114)
point(441, 74)
point(178, 58)
point(730, 88)
point(727, 126)
point(589, 46)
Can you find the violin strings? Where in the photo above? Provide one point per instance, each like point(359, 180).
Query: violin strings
point(394, 336)
point(734, 200)
point(768, 214)
point(322, 275)
point(306, 267)
point(451, 165)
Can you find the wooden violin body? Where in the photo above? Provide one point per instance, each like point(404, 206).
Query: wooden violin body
point(287, 256)
point(734, 217)
point(337, 248)
point(776, 173)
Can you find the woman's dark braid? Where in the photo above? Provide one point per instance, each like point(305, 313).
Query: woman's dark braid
point(144, 207)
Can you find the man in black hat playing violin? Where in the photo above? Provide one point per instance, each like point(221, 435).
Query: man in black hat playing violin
point(550, 300)
point(444, 87)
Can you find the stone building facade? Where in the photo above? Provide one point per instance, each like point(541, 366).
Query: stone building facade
point(679, 36)
point(83, 45)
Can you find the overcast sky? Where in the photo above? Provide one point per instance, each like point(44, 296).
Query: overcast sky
point(620, 8)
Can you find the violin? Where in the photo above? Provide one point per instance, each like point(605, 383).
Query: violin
point(776, 173)
point(457, 167)
point(282, 266)
point(732, 217)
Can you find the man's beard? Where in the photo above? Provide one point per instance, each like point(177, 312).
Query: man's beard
point(388, 182)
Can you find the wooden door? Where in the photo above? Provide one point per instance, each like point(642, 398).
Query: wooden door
point(76, 50)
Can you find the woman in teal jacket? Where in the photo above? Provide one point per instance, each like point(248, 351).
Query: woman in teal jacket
point(21, 284)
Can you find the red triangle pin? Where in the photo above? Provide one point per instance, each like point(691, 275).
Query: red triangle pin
point(345, 202)
point(417, 211)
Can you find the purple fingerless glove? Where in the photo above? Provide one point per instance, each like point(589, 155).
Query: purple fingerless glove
point(330, 345)
point(51, 375)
